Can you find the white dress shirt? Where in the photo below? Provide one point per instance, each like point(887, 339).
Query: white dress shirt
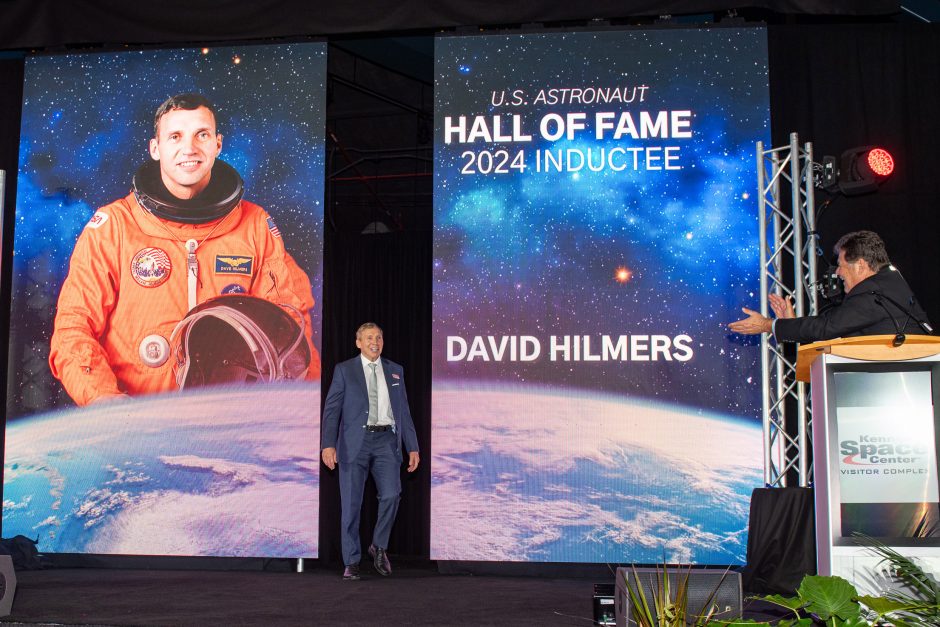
point(385, 405)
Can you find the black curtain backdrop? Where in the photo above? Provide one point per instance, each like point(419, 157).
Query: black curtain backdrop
point(383, 278)
point(837, 86)
point(846, 86)
point(11, 98)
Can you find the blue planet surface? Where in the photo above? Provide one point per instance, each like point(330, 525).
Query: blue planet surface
point(561, 476)
point(217, 472)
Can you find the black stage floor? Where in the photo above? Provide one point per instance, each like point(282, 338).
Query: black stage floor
point(413, 595)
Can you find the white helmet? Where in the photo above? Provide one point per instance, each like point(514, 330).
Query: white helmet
point(239, 339)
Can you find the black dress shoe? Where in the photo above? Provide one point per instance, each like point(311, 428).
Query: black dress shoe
point(380, 559)
point(351, 573)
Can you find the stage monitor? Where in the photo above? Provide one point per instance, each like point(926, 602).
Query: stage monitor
point(883, 425)
point(164, 372)
point(595, 230)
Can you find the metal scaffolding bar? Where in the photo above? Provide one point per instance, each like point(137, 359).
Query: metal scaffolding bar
point(788, 268)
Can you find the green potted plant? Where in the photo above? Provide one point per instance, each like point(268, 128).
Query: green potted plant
point(820, 600)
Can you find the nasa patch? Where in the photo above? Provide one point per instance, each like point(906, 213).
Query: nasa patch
point(151, 267)
point(233, 264)
point(97, 220)
point(234, 288)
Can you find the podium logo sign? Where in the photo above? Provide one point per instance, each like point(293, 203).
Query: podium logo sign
point(887, 454)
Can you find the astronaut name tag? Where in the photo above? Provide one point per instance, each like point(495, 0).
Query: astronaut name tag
point(233, 264)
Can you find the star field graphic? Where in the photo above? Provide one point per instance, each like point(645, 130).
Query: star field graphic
point(87, 121)
point(539, 253)
point(595, 230)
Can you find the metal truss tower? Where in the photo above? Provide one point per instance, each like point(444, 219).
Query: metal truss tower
point(788, 242)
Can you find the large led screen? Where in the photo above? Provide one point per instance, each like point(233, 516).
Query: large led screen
point(164, 372)
point(595, 230)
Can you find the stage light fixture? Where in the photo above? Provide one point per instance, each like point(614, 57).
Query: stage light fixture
point(858, 171)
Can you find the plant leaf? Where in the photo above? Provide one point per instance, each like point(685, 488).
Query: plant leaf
point(639, 605)
point(914, 615)
point(829, 596)
point(903, 622)
point(857, 621)
point(925, 586)
point(791, 603)
point(881, 605)
point(799, 622)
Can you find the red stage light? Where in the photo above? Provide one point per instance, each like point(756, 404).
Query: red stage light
point(880, 162)
point(858, 171)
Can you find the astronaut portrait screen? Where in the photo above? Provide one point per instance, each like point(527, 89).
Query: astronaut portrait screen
point(595, 229)
point(165, 324)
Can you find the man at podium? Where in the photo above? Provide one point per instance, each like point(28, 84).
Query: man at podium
point(877, 300)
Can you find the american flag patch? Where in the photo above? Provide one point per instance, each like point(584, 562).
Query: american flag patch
point(276, 232)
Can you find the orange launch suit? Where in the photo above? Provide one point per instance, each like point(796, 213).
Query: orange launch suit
point(128, 279)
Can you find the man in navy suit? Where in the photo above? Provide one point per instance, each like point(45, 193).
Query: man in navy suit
point(365, 420)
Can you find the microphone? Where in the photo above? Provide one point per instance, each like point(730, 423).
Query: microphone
point(899, 338)
point(923, 324)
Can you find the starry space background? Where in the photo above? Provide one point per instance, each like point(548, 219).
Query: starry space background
point(537, 253)
point(87, 120)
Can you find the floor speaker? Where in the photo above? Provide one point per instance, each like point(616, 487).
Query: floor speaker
point(718, 588)
point(7, 584)
point(604, 604)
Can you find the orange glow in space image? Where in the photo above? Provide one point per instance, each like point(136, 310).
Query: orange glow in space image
point(622, 274)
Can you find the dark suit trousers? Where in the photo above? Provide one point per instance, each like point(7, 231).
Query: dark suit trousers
point(380, 455)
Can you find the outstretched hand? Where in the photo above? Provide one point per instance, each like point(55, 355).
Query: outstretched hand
point(753, 324)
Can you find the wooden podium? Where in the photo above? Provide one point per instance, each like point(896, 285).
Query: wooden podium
point(876, 416)
point(865, 348)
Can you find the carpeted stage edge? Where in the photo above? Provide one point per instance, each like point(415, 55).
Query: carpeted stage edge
point(416, 594)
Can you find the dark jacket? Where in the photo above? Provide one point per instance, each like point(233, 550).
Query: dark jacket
point(866, 310)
